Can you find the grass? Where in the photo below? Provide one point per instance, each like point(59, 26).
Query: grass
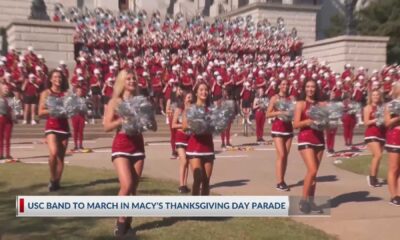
point(23, 179)
point(361, 164)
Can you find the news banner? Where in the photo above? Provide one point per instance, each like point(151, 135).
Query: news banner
point(157, 206)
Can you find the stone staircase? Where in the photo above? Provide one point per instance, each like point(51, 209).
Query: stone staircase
point(93, 131)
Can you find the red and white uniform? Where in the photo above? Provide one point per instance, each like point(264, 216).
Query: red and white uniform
point(309, 137)
point(281, 128)
point(200, 146)
point(57, 125)
point(393, 139)
point(373, 132)
point(129, 146)
point(181, 138)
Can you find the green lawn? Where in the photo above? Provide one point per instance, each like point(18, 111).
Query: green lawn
point(23, 179)
point(360, 165)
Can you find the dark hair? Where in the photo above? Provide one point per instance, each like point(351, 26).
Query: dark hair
point(277, 87)
point(180, 101)
point(196, 88)
point(317, 95)
point(64, 84)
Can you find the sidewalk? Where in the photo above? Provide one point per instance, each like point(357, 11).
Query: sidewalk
point(359, 212)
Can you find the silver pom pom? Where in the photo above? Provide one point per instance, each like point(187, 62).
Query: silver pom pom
point(379, 115)
point(139, 115)
point(394, 107)
point(221, 116)
point(56, 108)
point(196, 118)
point(286, 106)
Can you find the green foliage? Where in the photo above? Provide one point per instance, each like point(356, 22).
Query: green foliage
point(382, 18)
point(337, 26)
point(361, 165)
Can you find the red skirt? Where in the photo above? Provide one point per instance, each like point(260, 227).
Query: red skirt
point(393, 140)
point(281, 129)
point(309, 137)
point(200, 146)
point(181, 139)
point(57, 126)
point(374, 133)
point(128, 146)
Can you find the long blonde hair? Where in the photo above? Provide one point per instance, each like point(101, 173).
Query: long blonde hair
point(369, 102)
point(119, 86)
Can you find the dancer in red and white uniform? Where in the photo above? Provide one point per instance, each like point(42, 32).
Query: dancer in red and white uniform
point(127, 150)
point(200, 149)
point(56, 128)
point(181, 139)
point(374, 135)
point(282, 133)
point(392, 146)
point(311, 143)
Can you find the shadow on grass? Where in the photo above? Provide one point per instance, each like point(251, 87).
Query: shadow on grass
point(167, 222)
point(233, 183)
point(327, 178)
point(360, 196)
point(92, 183)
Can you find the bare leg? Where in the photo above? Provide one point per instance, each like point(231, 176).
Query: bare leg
point(205, 183)
point(196, 166)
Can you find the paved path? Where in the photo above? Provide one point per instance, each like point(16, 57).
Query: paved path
point(360, 212)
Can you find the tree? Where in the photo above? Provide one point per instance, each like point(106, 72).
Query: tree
point(337, 27)
point(382, 18)
point(379, 18)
